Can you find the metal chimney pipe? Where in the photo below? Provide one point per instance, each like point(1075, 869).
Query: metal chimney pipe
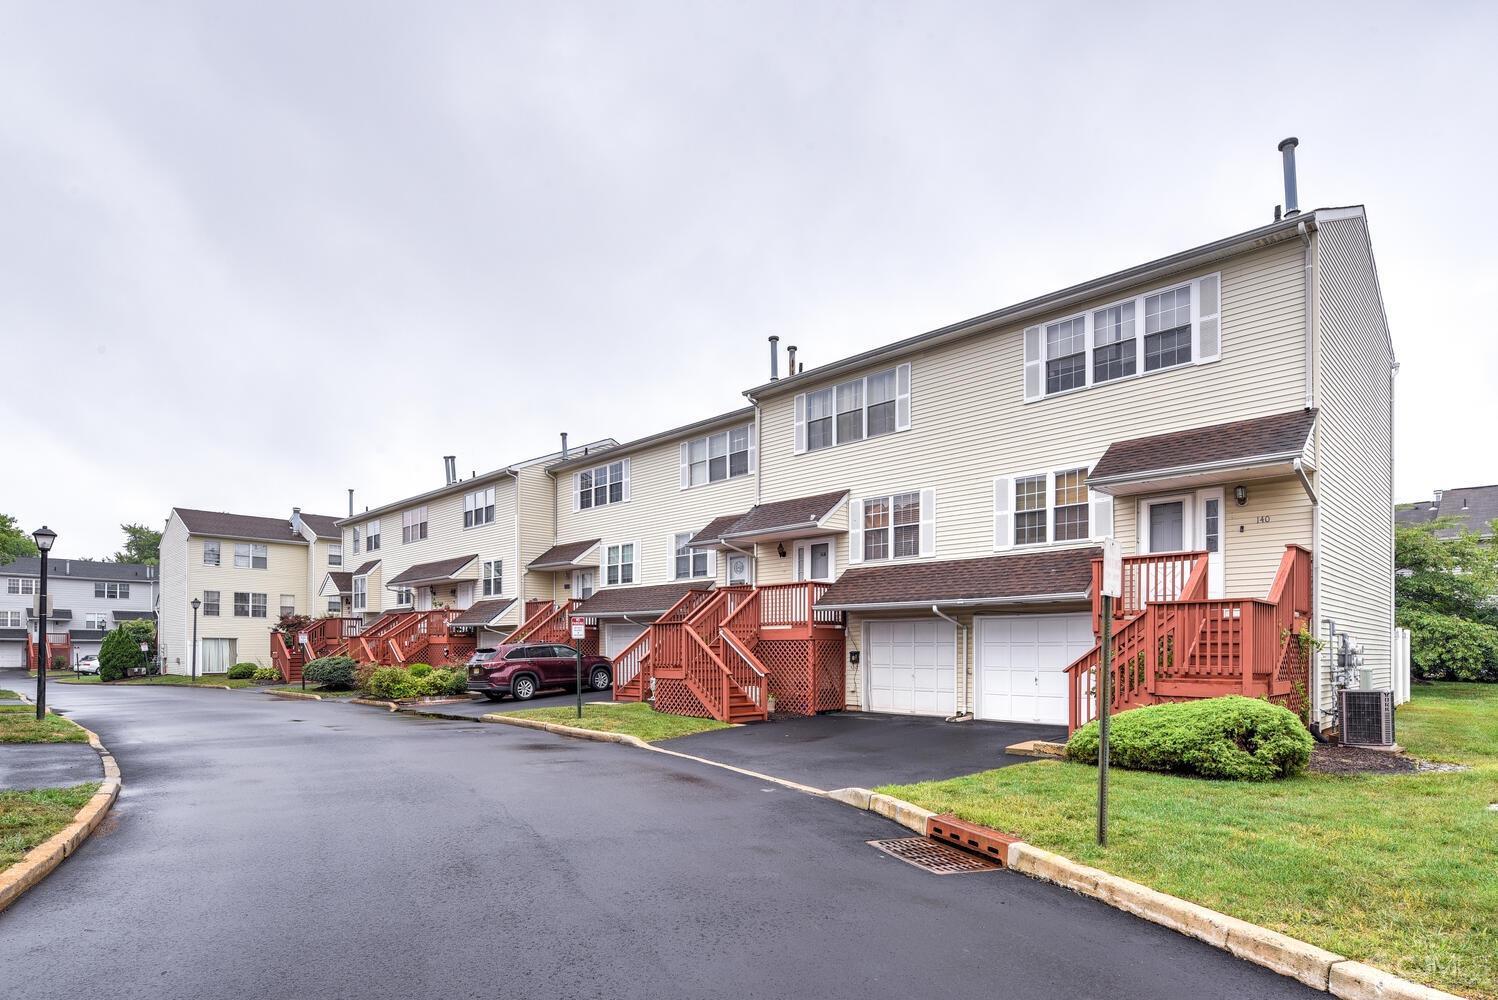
point(774, 358)
point(790, 353)
point(450, 466)
point(1292, 197)
point(296, 520)
point(350, 503)
point(564, 446)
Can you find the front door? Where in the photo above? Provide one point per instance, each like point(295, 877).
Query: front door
point(582, 584)
point(1209, 536)
point(814, 561)
point(1186, 523)
point(739, 572)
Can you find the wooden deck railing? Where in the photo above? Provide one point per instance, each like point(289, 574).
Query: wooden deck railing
point(745, 670)
point(791, 604)
point(542, 612)
point(1161, 576)
point(285, 658)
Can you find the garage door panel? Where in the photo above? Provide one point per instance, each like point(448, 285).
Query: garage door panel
point(1022, 661)
point(911, 667)
point(617, 637)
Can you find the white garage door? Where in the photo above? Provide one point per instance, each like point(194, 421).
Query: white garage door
point(912, 667)
point(12, 654)
point(618, 636)
point(1022, 661)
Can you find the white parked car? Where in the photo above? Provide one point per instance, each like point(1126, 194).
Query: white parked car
point(88, 664)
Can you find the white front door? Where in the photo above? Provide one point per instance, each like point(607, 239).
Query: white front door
point(423, 598)
point(582, 584)
point(740, 571)
point(218, 656)
point(1021, 665)
point(1185, 523)
point(618, 635)
point(814, 561)
point(1210, 536)
point(911, 667)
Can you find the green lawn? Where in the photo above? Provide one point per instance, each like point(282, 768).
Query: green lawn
point(1400, 871)
point(29, 818)
point(18, 724)
point(6, 694)
point(181, 680)
point(634, 718)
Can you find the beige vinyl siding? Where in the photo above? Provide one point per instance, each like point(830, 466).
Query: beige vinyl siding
point(537, 501)
point(174, 615)
point(1355, 547)
point(285, 573)
point(318, 569)
point(970, 423)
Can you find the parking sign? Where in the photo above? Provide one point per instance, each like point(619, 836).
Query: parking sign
point(579, 626)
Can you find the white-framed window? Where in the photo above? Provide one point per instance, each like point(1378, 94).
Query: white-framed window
point(96, 621)
point(288, 605)
point(251, 556)
point(360, 593)
point(11, 619)
point(602, 486)
point(414, 525)
point(404, 597)
point(716, 457)
point(23, 585)
point(335, 554)
point(112, 591)
point(1055, 505)
point(492, 577)
point(335, 605)
point(357, 537)
point(211, 603)
point(372, 536)
point(241, 604)
point(257, 605)
point(478, 507)
point(1153, 331)
point(867, 407)
point(892, 526)
point(688, 563)
point(211, 552)
point(620, 564)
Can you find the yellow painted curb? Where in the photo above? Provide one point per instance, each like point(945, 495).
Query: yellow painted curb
point(389, 705)
point(44, 857)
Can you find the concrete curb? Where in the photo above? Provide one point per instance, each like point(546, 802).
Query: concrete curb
point(301, 695)
point(389, 705)
point(43, 858)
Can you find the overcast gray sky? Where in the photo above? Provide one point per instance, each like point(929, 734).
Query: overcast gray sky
point(268, 251)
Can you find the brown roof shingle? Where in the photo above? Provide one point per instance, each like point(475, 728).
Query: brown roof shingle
point(638, 600)
point(343, 581)
point(212, 522)
point(481, 613)
point(1059, 573)
point(799, 512)
point(1240, 440)
point(441, 569)
point(559, 556)
point(716, 529)
point(323, 526)
point(366, 568)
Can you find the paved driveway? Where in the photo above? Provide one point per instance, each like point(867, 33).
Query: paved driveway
point(289, 849)
point(864, 749)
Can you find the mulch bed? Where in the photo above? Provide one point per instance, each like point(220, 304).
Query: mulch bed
point(1329, 758)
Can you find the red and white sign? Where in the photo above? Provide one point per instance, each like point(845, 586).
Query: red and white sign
point(579, 626)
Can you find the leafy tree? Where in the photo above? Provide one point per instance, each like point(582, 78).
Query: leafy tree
point(142, 545)
point(1446, 594)
point(120, 653)
point(14, 543)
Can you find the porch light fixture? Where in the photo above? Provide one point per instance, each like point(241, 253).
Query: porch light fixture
point(1240, 494)
point(780, 550)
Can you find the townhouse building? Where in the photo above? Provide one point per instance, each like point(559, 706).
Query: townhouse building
point(246, 572)
point(86, 600)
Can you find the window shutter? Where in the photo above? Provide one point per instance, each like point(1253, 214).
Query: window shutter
point(1003, 513)
point(686, 467)
point(577, 480)
point(1208, 310)
point(671, 558)
point(1102, 514)
point(753, 446)
point(928, 522)
point(855, 532)
point(1034, 365)
point(902, 398)
point(712, 564)
point(800, 423)
point(626, 479)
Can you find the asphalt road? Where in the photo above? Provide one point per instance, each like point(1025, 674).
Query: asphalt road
point(266, 848)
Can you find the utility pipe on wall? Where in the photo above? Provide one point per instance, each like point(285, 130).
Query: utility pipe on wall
point(960, 715)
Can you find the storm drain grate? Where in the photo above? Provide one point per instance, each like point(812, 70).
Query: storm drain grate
point(934, 857)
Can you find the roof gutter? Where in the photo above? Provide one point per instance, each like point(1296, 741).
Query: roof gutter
point(1305, 481)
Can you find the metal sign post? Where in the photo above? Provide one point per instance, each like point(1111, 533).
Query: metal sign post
point(1112, 586)
point(579, 632)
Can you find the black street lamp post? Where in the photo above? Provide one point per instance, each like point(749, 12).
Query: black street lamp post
point(196, 604)
point(44, 537)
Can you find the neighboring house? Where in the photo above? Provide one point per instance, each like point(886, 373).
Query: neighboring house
point(246, 572)
point(1470, 508)
point(87, 599)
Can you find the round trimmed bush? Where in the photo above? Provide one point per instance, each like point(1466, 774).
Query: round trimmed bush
point(1237, 738)
point(420, 669)
point(336, 673)
point(242, 671)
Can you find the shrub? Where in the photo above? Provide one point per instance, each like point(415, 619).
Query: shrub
point(390, 684)
point(420, 669)
point(1447, 647)
point(265, 675)
point(336, 673)
point(59, 662)
point(1237, 738)
point(242, 671)
point(395, 683)
point(120, 652)
point(450, 682)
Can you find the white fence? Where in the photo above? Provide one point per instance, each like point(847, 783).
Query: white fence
point(1400, 659)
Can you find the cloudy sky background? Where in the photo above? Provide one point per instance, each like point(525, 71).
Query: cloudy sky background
point(264, 251)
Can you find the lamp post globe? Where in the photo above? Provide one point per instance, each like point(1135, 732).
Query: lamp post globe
point(44, 538)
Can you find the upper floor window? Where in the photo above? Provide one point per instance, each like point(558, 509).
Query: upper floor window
point(688, 563)
point(210, 552)
point(210, 603)
point(21, 585)
point(356, 539)
point(893, 526)
point(493, 576)
point(360, 593)
point(604, 485)
point(372, 536)
point(1180, 327)
point(716, 457)
point(478, 508)
point(860, 408)
point(112, 591)
point(414, 525)
point(620, 564)
point(335, 554)
point(1054, 506)
point(248, 556)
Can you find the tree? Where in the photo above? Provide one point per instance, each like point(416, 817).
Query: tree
point(1446, 594)
point(120, 653)
point(14, 543)
point(142, 545)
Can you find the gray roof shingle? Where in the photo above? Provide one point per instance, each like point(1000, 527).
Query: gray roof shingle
point(785, 515)
point(440, 569)
point(270, 529)
point(562, 556)
point(481, 613)
point(616, 601)
point(1063, 573)
point(1471, 508)
point(1240, 440)
point(81, 569)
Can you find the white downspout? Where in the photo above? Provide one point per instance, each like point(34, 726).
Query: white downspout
point(961, 716)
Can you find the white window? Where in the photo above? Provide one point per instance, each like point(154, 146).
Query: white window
point(372, 536)
point(241, 604)
point(717, 457)
point(478, 508)
point(1179, 327)
point(210, 603)
point(414, 525)
point(257, 605)
point(10, 619)
point(493, 576)
point(620, 564)
point(335, 554)
point(247, 556)
point(96, 621)
point(335, 605)
point(404, 597)
point(360, 593)
point(1043, 507)
point(688, 563)
point(357, 536)
point(583, 582)
point(112, 591)
point(288, 605)
point(860, 408)
point(604, 485)
point(893, 526)
point(210, 552)
point(25, 585)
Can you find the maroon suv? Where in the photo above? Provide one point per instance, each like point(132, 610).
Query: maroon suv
point(522, 669)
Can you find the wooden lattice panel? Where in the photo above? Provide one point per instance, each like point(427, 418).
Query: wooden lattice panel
point(674, 697)
point(1294, 669)
point(828, 675)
